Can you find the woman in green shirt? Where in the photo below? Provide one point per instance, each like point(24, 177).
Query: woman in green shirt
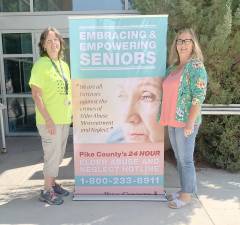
point(51, 91)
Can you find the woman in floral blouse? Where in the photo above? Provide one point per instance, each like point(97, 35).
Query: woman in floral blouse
point(184, 90)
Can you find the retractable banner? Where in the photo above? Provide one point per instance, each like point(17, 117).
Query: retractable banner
point(117, 66)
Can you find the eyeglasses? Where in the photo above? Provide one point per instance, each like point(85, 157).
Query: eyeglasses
point(186, 41)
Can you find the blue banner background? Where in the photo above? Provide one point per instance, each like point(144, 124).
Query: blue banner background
point(153, 27)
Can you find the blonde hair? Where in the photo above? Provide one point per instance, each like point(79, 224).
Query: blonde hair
point(196, 52)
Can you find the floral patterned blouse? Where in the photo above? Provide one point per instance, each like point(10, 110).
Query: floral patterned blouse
point(192, 89)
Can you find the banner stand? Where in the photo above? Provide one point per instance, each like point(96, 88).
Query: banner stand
point(117, 67)
point(160, 198)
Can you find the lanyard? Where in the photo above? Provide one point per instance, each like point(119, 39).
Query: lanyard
point(61, 74)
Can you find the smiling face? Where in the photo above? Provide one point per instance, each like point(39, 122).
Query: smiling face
point(184, 45)
point(52, 45)
point(140, 101)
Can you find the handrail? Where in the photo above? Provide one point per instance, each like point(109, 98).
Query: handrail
point(221, 109)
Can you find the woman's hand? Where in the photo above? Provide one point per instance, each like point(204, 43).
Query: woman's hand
point(50, 126)
point(194, 112)
point(188, 129)
point(37, 97)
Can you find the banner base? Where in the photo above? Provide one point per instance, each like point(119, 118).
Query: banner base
point(80, 197)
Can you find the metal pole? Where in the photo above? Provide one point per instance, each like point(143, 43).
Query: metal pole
point(2, 107)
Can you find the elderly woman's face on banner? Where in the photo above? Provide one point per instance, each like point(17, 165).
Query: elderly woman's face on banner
point(139, 107)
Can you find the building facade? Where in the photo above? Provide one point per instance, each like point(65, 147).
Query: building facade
point(21, 23)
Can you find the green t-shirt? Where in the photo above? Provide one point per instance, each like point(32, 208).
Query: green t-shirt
point(45, 76)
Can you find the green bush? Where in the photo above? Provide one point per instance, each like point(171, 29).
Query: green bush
point(217, 24)
point(218, 141)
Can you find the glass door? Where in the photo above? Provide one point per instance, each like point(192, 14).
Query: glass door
point(17, 64)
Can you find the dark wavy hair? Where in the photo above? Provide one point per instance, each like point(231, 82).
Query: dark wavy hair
point(43, 37)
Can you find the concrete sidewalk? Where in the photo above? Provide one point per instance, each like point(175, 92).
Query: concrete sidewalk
point(217, 202)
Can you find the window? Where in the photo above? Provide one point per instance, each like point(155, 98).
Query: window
point(78, 5)
point(130, 4)
point(17, 43)
point(17, 62)
point(85, 5)
point(67, 51)
point(14, 5)
point(17, 74)
point(21, 115)
point(52, 5)
point(62, 5)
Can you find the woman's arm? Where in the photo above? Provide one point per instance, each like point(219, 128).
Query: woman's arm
point(198, 85)
point(194, 112)
point(37, 97)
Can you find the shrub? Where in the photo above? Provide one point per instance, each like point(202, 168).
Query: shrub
point(218, 141)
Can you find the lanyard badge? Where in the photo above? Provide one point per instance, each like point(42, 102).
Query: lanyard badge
point(61, 74)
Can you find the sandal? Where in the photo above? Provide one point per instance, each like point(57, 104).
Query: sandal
point(173, 196)
point(177, 203)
